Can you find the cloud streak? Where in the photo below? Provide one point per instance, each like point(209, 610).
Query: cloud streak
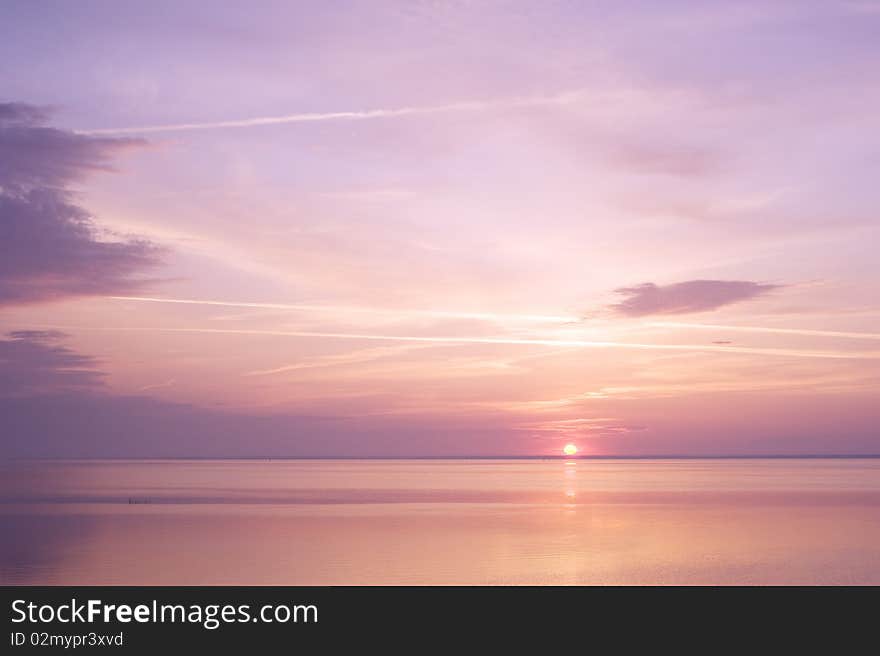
point(565, 343)
point(354, 357)
point(440, 314)
point(686, 297)
point(359, 115)
point(762, 329)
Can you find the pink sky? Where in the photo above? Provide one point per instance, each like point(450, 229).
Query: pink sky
point(440, 229)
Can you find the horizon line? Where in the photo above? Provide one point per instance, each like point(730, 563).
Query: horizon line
point(811, 456)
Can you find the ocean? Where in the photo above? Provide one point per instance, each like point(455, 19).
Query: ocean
point(457, 521)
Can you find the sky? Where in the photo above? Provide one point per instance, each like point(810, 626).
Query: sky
point(439, 228)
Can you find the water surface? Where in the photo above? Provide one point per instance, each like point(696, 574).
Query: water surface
point(301, 522)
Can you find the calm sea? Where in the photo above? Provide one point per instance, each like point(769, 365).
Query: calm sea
point(780, 521)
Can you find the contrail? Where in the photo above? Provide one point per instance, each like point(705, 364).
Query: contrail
point(355, 357)
point(488, 316)
point(524, 342)
point(470, 106)
point(759, 329)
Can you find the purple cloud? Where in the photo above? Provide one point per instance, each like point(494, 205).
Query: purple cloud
point(51, 245)
point(33, 155)
point(686, 297)
point(34, 363)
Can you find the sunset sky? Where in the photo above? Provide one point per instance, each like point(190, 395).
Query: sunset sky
point(439, 228)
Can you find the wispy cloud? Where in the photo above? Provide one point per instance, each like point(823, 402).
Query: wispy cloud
point(349, 115)
point(568, 343)
point(440, 314)
point(582, 427)
point(764, 329)
point(339, 359)
point(168, 383)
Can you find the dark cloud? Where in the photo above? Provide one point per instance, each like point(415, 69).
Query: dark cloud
point(52, 251)
point(34, 155)
point(51, 245)
point(22, 113)
point(34, 363)
point(686, 297)
point(37, 334)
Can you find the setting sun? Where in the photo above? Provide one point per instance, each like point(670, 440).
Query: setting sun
point(569, 449)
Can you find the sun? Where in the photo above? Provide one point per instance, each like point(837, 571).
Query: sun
point(569, 449)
